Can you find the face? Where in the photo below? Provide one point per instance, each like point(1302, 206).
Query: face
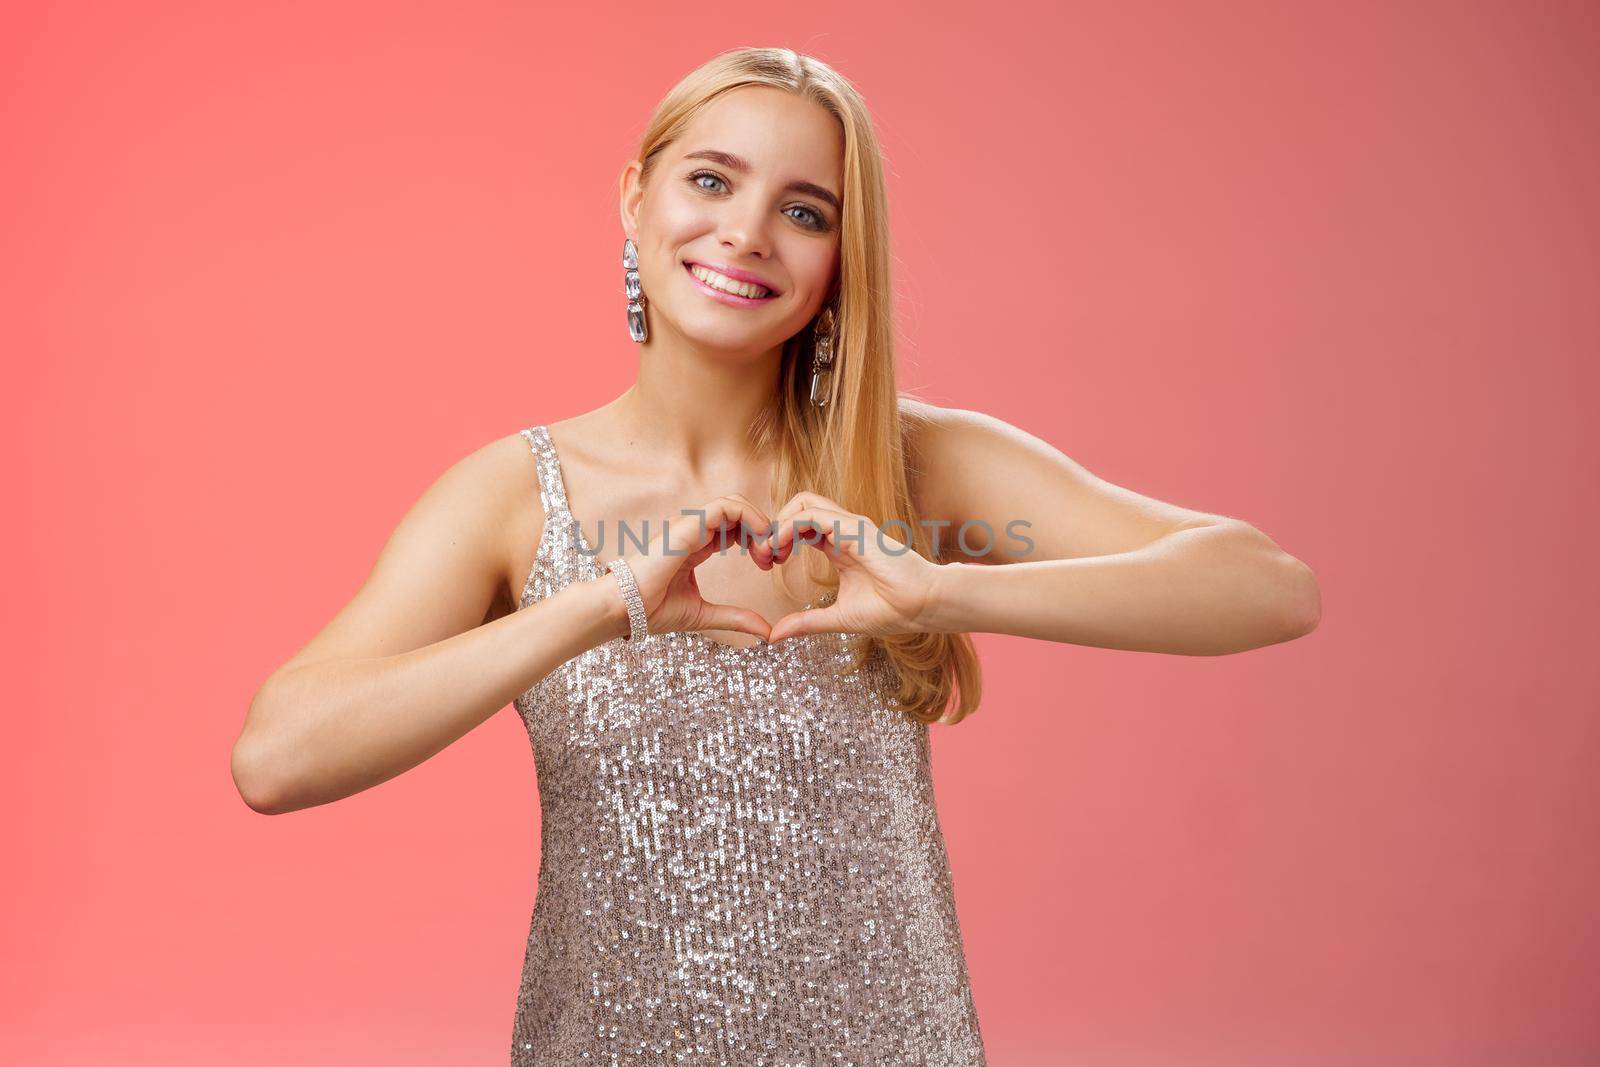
point(749, 193)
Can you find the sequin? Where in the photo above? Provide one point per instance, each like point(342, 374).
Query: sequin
point(741, 863)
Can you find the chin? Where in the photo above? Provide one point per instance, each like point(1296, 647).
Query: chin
point(734, 349)
point(723, 337)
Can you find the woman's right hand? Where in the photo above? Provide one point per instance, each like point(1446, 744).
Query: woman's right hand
point(672, 598)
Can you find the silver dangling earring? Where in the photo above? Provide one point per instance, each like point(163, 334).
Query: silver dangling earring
point(822, 358)
point(630, 285)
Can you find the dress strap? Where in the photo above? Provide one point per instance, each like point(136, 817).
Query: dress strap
point(552, 492)
point(575, 559)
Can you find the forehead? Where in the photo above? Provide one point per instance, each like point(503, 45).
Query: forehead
point(780, 133)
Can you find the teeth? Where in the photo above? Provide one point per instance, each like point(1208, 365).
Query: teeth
point(726, 284)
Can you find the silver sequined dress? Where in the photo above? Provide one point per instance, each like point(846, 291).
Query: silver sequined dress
point(741, 863)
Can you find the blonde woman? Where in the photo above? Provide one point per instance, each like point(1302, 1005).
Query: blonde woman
point(728, 605)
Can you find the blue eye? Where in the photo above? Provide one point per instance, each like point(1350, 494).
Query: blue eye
point(817, 221)
point(697, 175)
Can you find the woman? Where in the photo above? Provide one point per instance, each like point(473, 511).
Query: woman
point(741, 861)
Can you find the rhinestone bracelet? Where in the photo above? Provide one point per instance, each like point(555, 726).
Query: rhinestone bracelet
point(637, 624)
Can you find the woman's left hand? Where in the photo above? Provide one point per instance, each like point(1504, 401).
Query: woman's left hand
point(885, 587)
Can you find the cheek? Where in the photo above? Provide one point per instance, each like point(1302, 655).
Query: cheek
point(677, 220)
point(814, 269)
point(670, 228)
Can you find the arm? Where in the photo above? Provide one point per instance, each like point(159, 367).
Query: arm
point(404, 669)
point(1108, 567)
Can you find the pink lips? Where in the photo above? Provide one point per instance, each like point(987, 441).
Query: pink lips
point(727, 298)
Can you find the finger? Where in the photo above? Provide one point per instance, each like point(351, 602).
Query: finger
point(805, 498)
point(746, 525)
point(758, 516)
point(841, 530)
point(722, 522)
point(753, 518)
point(729, 617)
point(811, 520)
point(822, 540)
point(811, 621)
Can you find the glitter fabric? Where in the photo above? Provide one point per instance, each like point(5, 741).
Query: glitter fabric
point(741, 863)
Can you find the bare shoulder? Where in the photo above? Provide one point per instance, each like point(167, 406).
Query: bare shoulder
point(496, 478)
point(940, 426)
point(442, 569)
point(938, 441)
point(973, 467)
point(507, 475)
point(485, 503)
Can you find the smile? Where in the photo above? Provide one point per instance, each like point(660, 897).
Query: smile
point(728, 290)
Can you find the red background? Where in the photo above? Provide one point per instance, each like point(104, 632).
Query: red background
point(270, 268)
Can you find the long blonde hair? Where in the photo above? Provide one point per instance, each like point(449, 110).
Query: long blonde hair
point(855, 449)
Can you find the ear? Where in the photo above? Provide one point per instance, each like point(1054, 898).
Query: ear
point(632, 194)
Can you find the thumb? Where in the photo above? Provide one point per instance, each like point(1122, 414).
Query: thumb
point(729, 617)
point(810, 621)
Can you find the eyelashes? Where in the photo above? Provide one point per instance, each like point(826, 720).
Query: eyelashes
point(819, 223)
point(694, 179)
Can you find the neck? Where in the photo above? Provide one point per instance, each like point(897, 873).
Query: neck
point(693, 406)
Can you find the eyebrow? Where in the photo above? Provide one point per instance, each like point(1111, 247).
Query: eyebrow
point(733, 162)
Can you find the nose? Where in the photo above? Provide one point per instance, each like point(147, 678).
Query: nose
point(744, 229)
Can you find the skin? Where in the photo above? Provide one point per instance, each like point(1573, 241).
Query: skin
point(432, 645)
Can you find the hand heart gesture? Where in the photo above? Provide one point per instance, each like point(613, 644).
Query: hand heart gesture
point(884, 586)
